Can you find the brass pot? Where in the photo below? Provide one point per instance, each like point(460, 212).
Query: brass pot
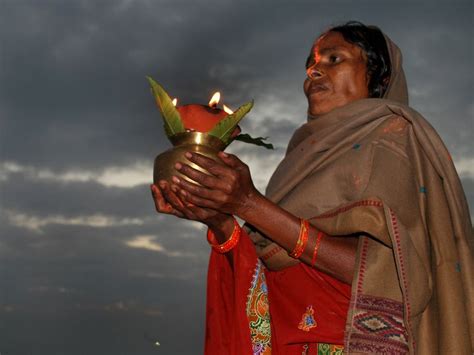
point(198, 142)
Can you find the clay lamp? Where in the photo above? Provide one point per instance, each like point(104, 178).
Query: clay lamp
point(204, 129)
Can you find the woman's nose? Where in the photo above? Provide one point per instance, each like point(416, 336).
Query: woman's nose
point(314, 72)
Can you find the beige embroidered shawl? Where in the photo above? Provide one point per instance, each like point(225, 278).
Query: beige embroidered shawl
point(376, 168)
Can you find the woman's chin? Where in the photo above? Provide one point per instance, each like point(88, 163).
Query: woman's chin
point(319, 110)
point(323, 107)
point(318, 105)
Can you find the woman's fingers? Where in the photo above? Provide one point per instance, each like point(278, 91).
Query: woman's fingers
point(183, 204)
point(171, 199)
point(231, 160)
point(201, 191)
point(225, 190)
point(170, 196)
point(169, 192)
point(214, 167)
point(201, 213)
point(198, 201)
point(206, 180)
point(161, 205)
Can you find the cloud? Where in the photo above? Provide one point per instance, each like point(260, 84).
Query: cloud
point(43, 193)
point(36, 224)
point(148, 242)
point(132, 175)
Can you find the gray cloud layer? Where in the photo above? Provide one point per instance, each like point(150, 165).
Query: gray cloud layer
point(87, 267)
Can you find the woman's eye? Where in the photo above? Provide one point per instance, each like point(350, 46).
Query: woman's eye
point(334, 59)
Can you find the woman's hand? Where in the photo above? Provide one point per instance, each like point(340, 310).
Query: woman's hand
point(228, 190)
point(172, 205)
point(166, 201)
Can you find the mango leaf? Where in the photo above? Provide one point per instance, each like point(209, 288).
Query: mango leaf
point(223, 129)
point(246, 138)
point(171, 117)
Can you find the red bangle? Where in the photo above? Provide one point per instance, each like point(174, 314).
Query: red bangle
point(229, 244)
point(316, 247)
point(302, 239)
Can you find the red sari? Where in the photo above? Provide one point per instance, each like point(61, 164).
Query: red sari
point(251, 310)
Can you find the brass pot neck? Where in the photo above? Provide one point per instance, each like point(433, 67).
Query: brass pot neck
point(198, 138)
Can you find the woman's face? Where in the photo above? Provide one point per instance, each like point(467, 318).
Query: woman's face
point(337, 74)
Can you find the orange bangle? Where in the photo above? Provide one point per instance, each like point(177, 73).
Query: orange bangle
point(229, 244)
point(316, 247)
point(302, 239)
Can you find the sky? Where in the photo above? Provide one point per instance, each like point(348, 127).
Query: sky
point(86, 264)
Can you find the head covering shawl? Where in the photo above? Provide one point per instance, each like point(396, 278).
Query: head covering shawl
point(377, 169)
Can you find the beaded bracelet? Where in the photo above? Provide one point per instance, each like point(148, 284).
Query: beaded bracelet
point(316, 247)
point(229, 244)
point(302, 239)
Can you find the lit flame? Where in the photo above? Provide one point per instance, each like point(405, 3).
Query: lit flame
point(228, 110)
point(215, 99)
point(175, 101)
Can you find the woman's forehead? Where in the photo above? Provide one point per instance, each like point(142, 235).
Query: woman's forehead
point(332, 41)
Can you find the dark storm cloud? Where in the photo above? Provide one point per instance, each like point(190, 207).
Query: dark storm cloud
point(74, 74)
point(79, 87)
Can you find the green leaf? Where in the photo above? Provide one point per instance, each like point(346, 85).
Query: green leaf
point(171, 117)
point(246, 138)
point(223, 129)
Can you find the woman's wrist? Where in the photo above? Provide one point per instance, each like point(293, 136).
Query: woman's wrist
point(222, 226)
point(229, 243)
point(250, 203)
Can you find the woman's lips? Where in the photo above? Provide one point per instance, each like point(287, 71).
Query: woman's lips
point(316, 88)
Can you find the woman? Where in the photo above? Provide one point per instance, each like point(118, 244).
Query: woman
point(363, 230)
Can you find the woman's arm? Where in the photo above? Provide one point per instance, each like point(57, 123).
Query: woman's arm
point(336, 255)
point(230, 190)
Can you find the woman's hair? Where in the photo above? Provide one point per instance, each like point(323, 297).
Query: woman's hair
point(372, 42)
